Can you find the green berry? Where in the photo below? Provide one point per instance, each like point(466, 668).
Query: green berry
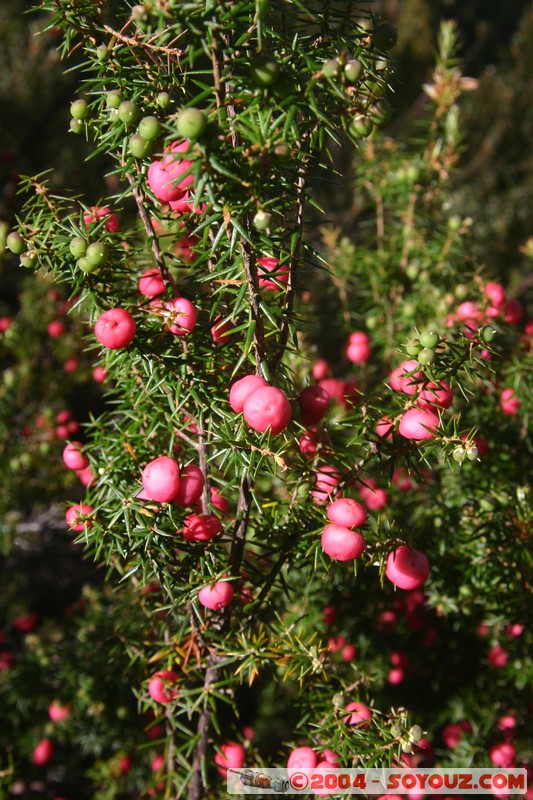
point(361, 127)
point(487, 333)
point(331, 68)
point(139, 147)
point(79, 109)
point(102, 52)
point(15, 242)
point(76, 125)
point(415, 733)
point(396, 730)
point(472, 453)
point(384, 36)
point(426, 356)
point(85, 265)
point(412, 271)
point(191, 123)
point(149, 128)
point(128, 112)
point(459, 454)
point(163, 100)
point(413, 347)
point(77, 246)
point(97, 254)
point(429, 339)
point(265, 70)
point(113, 99)
point(138, 13)
point(353, 70)
point(262, 220)
point(380, 112)
point(28, 259)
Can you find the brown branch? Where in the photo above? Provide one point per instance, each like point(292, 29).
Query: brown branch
point(195, 791)
point(140, 199)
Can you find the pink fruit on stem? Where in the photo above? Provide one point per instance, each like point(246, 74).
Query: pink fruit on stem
point(359, 716)
point(503, 754)
point(232, 756)
point(43, 752)
point(407, 568)
point(74, 514)
point(270, 266)
point(418, 424)
point(498, 656)
point(58, 712)
point(201, 527)
point(100, 374)
point(327, 479)
point(342, 544)
point(435, 396)
point(302, 758)
point(216, 596)
point(385, 427)
point(495, 293)
point(181, 316)
point(73, 457)
point(358, 349)
point(348, 652)
point(96, 213)
point(86, 476)
point(242, 389)
point(56, 328)
point(115, 328)
point(267, 408)
point(160, 686)
point(346, 512)
point(161, 479)
point(509, 402)
point(151, 283)
point(374, 497)
point(191, 485)
point(514, 312)
point(407, 377)
point(314, 402)
point(221, 331)
point(218, 501)
point(168, 178)
point(320, 369)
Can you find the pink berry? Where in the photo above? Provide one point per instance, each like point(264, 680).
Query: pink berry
point(218, 501)
point(407, 568)
point(232, 756)
point(373, 496)
point(160, 686)
point(406, 378)
point(216, 596)
point(495, 293)
point(498, 656)
point(267, 408)
point(201, 527)
point(151, 283)
point(73, 517)
point(73, 457)
point(26, 622)
point(157, 763)
point(302, 758)
point(167, 178)
point(348, 652)
point(268, 265)
point(100, 374)
point(503, 754)
point(435, 396)
point(314, 402)
point(161, 479)
point(115, 328)
point(242, 389)
point(453, 732)
point(58, 712)
point(221, 331)
point(43, 752)
point(385, 427)
point(359, 716)
point(358, 350)
point(191, 485)
point(469, 311)
point(86, 476)
point(418, 424)
point(181, 316)
point(346, 512)
point(308, 442)
point(509, 402)
point(327, 479)
point(514, 312)
point(96, 213)
point(342, 544)
point(320, 369)
point(56, 328)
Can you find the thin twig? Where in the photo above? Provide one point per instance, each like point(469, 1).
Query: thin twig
point(140, 199)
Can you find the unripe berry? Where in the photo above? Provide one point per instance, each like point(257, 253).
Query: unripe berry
point(78, 246)
point(413, 347)
point(331, 68)
point(113, 98)
point(16, 243)
point(28, 259)
point(265, 70)
point(429, 339)
point(380, 112)
point(102, 52)
point(76, 126)
point(163, 100)
point(353, 70)
point(360, 127)
point(262, 220)
point(426, 356)
point(79, 109)
point(149, 128)
point(97, 254)
point(139, 147)
point(191, 123)
point(128, 112)
point(384, 36)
